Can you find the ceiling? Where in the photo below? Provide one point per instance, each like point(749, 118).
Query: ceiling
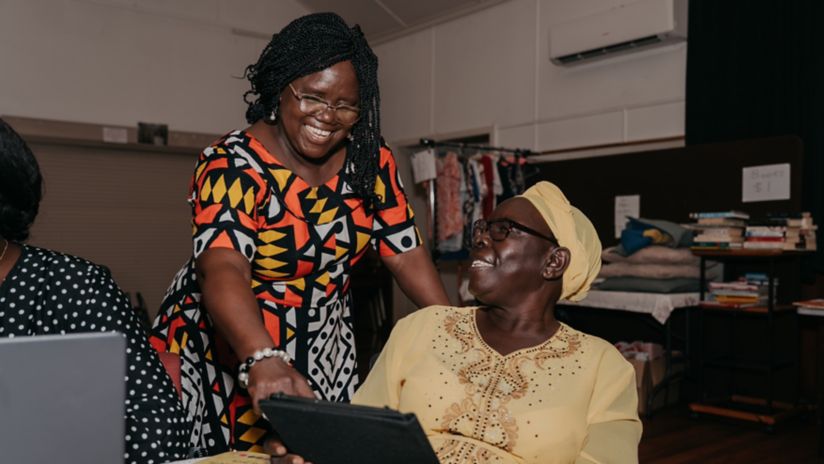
point(383, 20)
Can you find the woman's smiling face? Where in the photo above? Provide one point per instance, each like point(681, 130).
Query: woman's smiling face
point(314, 136)
point(504, 271)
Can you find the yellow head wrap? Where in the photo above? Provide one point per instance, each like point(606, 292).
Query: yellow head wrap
point(573, 231)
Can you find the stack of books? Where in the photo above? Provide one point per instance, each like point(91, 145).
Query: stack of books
point(719, 230)
point(782, 231)
point(814, 306)
point(750, 290)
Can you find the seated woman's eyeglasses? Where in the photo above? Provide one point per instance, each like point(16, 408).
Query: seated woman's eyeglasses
point(499, 230)
point(313, 104)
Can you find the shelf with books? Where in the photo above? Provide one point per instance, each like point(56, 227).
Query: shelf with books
point(815, 303)
point(814, 307)
point(754, 294)
point(734, 230)
point(733, 214)
point(781, 231)
point(815, 312)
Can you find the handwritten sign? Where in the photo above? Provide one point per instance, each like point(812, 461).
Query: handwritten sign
point(626, 206)
point(765, 183)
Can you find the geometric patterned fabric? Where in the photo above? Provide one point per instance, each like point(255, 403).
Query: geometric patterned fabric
point(301, 242)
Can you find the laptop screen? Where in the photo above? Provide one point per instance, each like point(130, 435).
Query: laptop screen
point(62, 398)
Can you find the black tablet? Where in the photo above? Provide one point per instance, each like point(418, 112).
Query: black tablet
point(328, 433)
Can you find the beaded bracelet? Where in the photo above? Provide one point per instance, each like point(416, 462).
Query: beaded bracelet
point(259, 355)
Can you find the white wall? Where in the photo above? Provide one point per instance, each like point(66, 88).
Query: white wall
point(491, 70)
point(123, 61)
point(175, 61)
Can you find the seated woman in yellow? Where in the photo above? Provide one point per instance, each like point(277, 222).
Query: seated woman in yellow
point(505, 382)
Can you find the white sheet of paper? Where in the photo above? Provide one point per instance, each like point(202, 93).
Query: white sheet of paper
point(625, 205)
point(423, 166)
point(765, 183)
point(115, 135)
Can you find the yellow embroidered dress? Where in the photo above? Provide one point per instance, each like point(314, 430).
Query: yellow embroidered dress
point(569, 399)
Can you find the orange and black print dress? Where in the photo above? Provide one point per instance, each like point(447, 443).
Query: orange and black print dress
point(301, 242)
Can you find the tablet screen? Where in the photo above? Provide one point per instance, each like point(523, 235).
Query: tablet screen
point(324, 432)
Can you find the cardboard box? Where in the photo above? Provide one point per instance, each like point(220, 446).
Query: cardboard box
point(648, 374)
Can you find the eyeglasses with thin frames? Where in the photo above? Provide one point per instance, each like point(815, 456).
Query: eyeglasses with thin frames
point(313, 104)
point(499, 230)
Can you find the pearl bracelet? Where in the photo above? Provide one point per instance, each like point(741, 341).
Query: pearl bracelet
point(259, 355)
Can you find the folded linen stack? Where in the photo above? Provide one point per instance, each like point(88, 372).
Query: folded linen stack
point(655, 269)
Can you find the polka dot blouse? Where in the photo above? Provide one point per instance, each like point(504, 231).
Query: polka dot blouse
point(51, 293)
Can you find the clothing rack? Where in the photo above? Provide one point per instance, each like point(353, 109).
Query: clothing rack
point(465, 151)
point(469, 146)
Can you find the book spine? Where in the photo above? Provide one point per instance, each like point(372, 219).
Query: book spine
point(719, 214)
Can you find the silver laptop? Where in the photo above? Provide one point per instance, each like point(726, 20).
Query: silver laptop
point(62, 398)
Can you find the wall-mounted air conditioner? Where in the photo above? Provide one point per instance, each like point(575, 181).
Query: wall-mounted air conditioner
point(632, 25)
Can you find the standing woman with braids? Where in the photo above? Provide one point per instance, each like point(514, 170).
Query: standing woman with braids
point(281, 212)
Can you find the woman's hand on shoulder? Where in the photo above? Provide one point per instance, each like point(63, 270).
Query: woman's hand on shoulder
point(280, 455)
point(270, 376)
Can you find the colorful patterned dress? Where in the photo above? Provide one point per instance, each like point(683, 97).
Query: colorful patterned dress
point(302, 242)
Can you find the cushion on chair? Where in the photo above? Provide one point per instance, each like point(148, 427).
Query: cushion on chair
point(171, 361)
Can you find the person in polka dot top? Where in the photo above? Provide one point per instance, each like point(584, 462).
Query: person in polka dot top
point(46, 292)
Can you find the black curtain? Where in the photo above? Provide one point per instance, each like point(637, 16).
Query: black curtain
point(755, 68)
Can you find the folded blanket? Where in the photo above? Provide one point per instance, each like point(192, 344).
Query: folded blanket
point(650, 271)
point(640, 233)
point(638, 284)
point(651, 255)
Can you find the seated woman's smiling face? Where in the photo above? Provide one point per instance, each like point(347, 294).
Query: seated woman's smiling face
point(508, 265)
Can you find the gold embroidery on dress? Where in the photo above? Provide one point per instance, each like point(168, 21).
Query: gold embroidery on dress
point(491, 381)
point(461, 452)
point(456, 326)
point(570, 342)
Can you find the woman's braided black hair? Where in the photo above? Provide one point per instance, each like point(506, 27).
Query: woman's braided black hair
point(305, 46)
point(20, 185)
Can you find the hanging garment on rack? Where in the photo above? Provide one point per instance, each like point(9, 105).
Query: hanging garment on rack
point(486, 176)
point(492, 181)
point(510, 169)
point(448, 195)
point(497, 185)
point(455, 243)
point(504, 168)
point(471, 199)
point(520, 177)
point(477, 170)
